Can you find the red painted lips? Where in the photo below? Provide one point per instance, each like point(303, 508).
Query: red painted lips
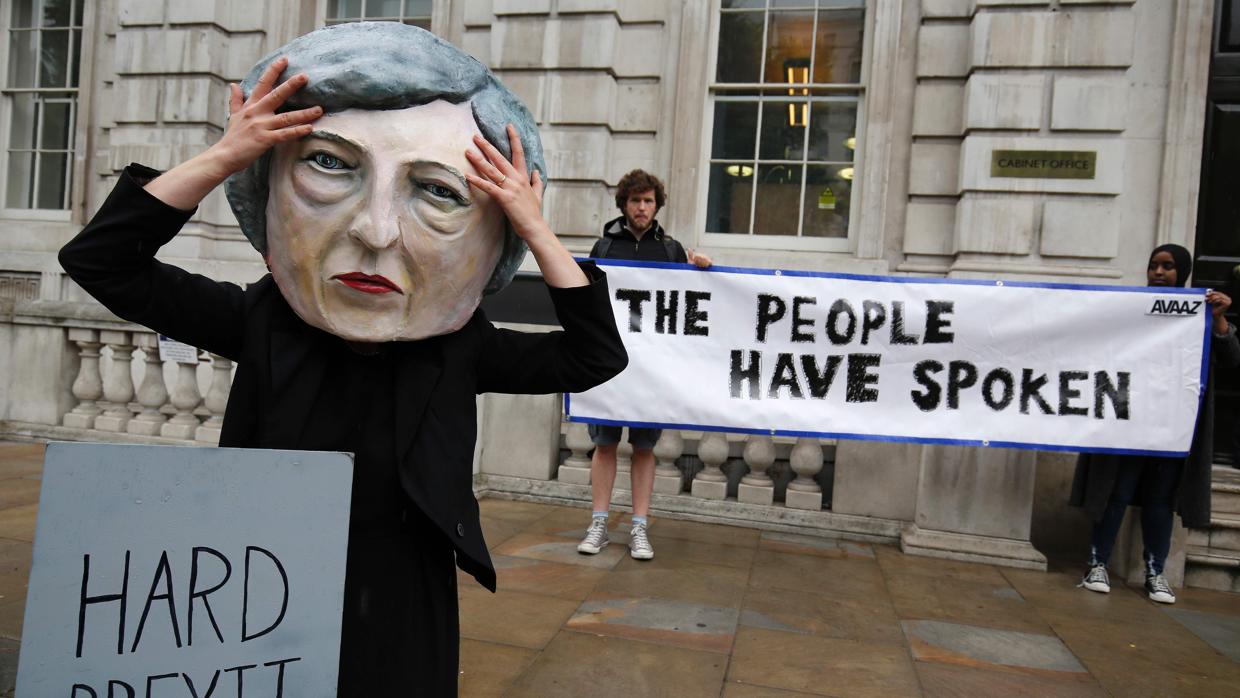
point(368, 283)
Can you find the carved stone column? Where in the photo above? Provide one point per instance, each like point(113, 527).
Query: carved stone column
point(806, 460)
point(671, 445)
point(88, 386)
point(624, 462)
point(575, 469)
point(185, 398)
point(216, 400)
point(711, 482)
point(756, 487)
point(152, 393)
point(118, 388)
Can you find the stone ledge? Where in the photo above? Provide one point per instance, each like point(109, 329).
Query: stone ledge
point(824, 524)
point(29, 431)
point(986, 550)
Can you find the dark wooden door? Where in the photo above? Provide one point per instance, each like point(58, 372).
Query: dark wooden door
point(1217, 253)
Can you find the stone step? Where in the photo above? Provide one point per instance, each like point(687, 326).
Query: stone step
point(1225, 474)
point(1224, 535)
point(1224, 498)
point(1207, 570)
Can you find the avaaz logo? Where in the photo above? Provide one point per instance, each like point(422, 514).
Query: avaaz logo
point(1175, 308)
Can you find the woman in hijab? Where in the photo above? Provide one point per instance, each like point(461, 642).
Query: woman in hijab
point(1106, 484)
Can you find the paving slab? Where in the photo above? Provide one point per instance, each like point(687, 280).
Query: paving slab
point(488, 669)
point(868, 617)
point(1222, 632)
point(848, 577)
point(940, 680)
point(812, 545)
point(512, 618)
point(821, 666)
point(662, 621)
point(920, 597)
point(956, 643)
point(571, 582)
point(542, 546)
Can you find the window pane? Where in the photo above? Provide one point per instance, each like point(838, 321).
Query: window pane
point(828, 193)
point(344, 8)
point(382, 8)
point(837, 57)
point(424, 23)
point(75, 68)
point(798, 4)
point(23, 13)
point(831, 125)
point(783, 130)
point(736, 129)
point(838, 4)
point(21, 59)
point(79, 12)
point(778, 200)
point(730, 4)
point(788, 39)
point(740, 47)
point(21, 170)
point(23, 119)
point(56, 13)
point(727, 203)
point(418, 8)
point(51, 193)
point(56, 125)
point(53, 59)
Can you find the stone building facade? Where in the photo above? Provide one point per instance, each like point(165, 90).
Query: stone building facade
point(873, 124)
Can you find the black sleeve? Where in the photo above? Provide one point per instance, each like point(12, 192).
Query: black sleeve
point(680, 255)
point(1226, 347)
point(594, 248)
point(113, 259)
point(586, 353)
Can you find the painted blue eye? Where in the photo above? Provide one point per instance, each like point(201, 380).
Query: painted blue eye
point(328, 162)
point(440, 190)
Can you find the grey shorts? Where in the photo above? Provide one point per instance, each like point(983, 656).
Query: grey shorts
point(603, 435)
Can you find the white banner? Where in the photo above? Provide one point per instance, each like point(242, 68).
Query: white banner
point(969, 362)
point(173, 571)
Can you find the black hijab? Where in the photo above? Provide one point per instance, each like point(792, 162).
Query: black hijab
point(1183, 262)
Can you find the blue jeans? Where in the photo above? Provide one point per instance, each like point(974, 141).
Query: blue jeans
point(1151, 483)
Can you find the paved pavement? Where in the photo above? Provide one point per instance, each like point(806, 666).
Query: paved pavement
point(726, 611)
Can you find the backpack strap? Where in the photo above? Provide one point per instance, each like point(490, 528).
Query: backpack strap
point(601, 247)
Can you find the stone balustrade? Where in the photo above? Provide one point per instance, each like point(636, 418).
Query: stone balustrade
point(751, 468)
point(107, 400)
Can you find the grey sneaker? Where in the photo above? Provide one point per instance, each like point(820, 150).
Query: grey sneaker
point(639, 545)
point(1158, 589)
point(1096, 579)
point(596, 537)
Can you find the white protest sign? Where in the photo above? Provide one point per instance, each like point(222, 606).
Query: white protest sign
point(172, 350)
point(985, 363)
point(168, 571)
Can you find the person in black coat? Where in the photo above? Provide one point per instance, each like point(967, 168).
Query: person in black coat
point(1105, 484)
point(383, 214)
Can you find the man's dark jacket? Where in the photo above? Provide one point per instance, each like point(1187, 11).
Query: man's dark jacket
point(655, 244)
point(281, 360)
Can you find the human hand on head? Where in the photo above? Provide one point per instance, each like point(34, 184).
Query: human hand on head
point(505, 182)
point(253, 124)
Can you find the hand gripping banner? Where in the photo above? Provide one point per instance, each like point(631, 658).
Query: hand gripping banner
point(969, 362)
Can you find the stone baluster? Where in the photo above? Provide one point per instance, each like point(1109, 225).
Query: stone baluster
point(88, 385)
point(624, 462)
point(575, 469)
point(711, 482)
point(756, 487)
point(185, 398)
point(216, 400)
point(152, 393)
point(118, 387)
point(671, 445)
point(806, 461)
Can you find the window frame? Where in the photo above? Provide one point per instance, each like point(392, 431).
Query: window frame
point(755, 240)
point(440, 12)
point(79, 131)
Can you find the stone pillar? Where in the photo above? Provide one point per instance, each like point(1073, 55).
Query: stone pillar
point(876, 479)
point(88, 386)
point(671, 446)
point(152, 393)
point(711, 482)
point(185, 398)
point(624, 462)
point(806, 460)
point(118, 388)
point(756, 487)
point(217, 400)
point(975, 504)
point(575, 469)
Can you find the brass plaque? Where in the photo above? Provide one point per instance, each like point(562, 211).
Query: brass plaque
point(1044, 164)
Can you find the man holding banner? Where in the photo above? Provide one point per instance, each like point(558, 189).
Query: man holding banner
point(639, 196)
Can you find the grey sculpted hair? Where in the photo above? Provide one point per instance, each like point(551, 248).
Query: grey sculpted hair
point(388, 65)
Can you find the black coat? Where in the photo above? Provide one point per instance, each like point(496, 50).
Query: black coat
point(1094, 479)
point(281, 365)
